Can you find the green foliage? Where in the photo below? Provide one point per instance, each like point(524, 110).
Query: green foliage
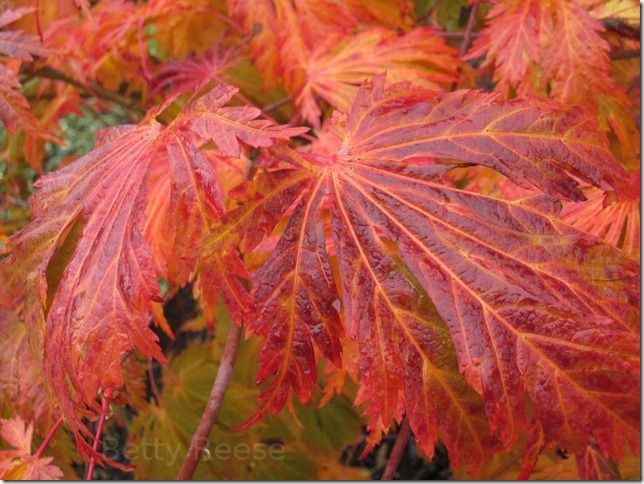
point(79, 134)
point(300, 445)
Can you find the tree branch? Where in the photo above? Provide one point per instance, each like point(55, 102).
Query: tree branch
point(457, 35)
point(396, 453)
point(92, 89)
point(624, 54)
point(209, 416)
point(277, 104)
point(153, 383)
point(468, 30)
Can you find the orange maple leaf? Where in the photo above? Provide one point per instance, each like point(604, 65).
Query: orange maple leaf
point(421, 264)
point(83, 262)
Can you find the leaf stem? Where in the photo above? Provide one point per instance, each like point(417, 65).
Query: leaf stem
point(38, 26)
point(97, 437)
point(396, 453)
point(207, 422)
point(92, 89)
point(48, 437)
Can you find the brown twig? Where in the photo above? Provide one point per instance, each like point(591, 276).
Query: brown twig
point(209, 416)
point(105, 406)
point(468, 30)
point(153, 383)
point(48, 437)
point(624, 54)
point(396, 453)
point(277, 104)
point(622, 28)
point(505, 466)
point(428, 15)
point(92, 89)
point(457, 35)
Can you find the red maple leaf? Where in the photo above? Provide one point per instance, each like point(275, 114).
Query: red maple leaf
point(84, 257)
point(419, 262)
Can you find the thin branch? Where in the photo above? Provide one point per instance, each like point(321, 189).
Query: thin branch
point(622, 28)
point(396, 453)
point(153, 383)
point(92, 89)
point(230, 22)
point(624, 54)
point(468, 30)
point(209, 416)
point(428, 15)
point(277, 104)
point(505, 466)
point(105, 406)
point(48, 437)
point(457, 35)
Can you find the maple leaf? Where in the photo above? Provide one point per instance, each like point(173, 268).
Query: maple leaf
point(157, 230)
point(511, 40)
point(19, 463)
point(221, 268)
point(334, 69)
point(556, 48)
point(190, 74)
point(22, 386)
point(626, 11)
point(15, 111)
point(84, 261)
point(592, 465)
point(196, 201)
point(108, 45)
point(87, 227)
point(559, 36)
point(257, 18)
point(534, 308)
point(286, 30)
point(225, 126)
point(614, 219)
point(466, 259)
point(184, 28)
point(84, 6)
point(347, 14)
point(16, 44)
point(182, 205)
point(580, 63)
point(228, 126)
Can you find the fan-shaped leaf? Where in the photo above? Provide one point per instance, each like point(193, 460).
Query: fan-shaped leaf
point(529, 303)
point(615, 219)
point(335, 69)
point(84, 262)
point(227, 126)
